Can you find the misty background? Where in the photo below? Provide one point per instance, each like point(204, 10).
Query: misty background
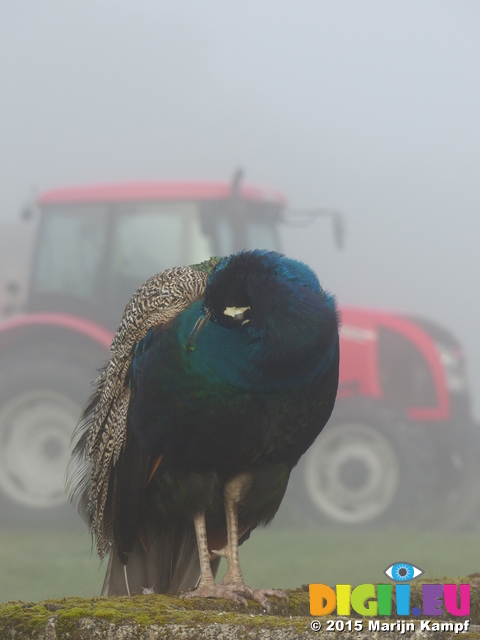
point(371, 108)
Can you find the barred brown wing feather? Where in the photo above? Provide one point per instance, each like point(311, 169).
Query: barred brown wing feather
point(158, 301)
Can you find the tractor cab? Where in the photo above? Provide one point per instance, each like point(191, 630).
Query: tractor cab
point(97, 245)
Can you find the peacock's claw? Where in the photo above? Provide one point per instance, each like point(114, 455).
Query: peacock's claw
point(260, 595)
point(237, 592)
point(215, 591)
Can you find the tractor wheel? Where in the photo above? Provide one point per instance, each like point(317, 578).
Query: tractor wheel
point(42, 393)
point(368, 467)
point(457, 501)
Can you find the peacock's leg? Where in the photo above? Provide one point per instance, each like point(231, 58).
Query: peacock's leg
point(232, 586)
point(206, 575)
point(206, 587)
point(234, 490)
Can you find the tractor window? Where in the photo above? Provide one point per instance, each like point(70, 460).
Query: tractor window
point(151, 237)
point(245, 225)
point(251, 234)
point(70, 249)
point(261, 233)
point(92, 257)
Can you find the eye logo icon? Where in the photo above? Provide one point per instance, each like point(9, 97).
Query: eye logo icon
point(403, 572)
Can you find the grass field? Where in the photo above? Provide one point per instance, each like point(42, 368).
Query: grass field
point(44, 564)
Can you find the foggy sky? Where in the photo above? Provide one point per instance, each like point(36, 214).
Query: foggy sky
point(370, 107)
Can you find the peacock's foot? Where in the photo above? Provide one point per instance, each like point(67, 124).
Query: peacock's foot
point(259, 595)
point(237, 592)
point(213, 590)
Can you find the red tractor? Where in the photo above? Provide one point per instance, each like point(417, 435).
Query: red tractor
point(399, 442)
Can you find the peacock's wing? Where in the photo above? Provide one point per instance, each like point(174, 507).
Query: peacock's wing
point(104, 422)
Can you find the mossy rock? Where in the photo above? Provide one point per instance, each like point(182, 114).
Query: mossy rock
point(152, 617)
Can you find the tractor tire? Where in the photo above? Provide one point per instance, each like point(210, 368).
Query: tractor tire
point(369, 467)
point(42, 395)
point(457, 499)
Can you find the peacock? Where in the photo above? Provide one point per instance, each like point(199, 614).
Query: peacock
point(221, 375)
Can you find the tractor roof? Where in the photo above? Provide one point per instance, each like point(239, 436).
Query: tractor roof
point(135, 191)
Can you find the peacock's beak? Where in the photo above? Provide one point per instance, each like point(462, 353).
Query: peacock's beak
point(199, 325)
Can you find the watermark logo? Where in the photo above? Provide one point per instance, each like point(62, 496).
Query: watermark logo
point(377, 600)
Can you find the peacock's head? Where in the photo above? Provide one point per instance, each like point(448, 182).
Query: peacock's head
point(227, 300)
point(245, 287)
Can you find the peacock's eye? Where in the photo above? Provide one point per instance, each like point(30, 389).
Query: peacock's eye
point(239, 314)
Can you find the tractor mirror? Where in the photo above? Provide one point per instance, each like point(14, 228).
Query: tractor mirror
point(339, 230)
point(298, 218)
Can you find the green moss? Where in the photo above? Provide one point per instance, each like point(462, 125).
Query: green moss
point(75, 613)
point(25, 618)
